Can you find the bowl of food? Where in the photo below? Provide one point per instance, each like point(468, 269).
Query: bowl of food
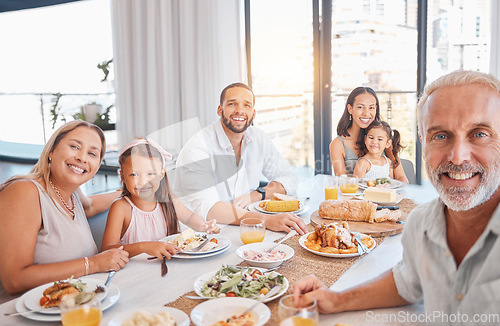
point(257, 255)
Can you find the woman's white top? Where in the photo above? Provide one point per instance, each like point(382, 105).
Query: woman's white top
point(61, 237)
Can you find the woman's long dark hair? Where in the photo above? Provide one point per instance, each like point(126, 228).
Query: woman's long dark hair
point(392, 134)
point(345, 121)
point(162, 195)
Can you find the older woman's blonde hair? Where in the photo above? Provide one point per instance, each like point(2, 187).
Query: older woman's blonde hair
point(42, 167)
point(455, 78)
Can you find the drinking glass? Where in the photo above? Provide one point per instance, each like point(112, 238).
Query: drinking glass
point(331, 188)
point(85, 314)
point(252, 230)
point(348, 184)
point(290, 315)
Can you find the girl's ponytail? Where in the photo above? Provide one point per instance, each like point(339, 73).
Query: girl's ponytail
point(396, 147)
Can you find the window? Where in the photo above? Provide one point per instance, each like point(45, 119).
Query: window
point(52, 50)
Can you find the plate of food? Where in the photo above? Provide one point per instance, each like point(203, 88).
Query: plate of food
point(244, 282)
point(188, 240)
point(335, 240)
point(216, 312)
point(256, 254)
point(109, 301)
point(381, 183)
point(279, 204)
point(46, 298)
point(182, 255)
point(151, 315)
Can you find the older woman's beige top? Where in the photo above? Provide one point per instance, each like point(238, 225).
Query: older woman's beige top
point(61, 238)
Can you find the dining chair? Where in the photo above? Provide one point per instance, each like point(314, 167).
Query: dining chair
point(409, 170)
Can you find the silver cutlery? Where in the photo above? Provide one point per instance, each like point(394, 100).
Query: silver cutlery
point(164, 268)
point(288, 236)
point(361, 246)
point(198, 248)
point(110, 276)
point(269, 294)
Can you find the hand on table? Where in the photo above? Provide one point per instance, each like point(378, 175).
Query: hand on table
point(112, 259)
point(311, 288)
point(285, 222)
point(243, 201)
point(210, 227)
point(160, 249)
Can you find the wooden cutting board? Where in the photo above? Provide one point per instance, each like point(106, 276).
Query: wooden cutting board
point(374, 229)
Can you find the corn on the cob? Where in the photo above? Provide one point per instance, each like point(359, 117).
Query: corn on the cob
point(282, 205)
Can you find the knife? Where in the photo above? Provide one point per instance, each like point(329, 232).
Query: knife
point(164, 268)
point(388, 207)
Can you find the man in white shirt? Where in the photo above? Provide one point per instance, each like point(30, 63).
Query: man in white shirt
point(219, 169)
point(451, 244)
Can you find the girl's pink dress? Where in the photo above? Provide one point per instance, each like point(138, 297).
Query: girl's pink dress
point(144, 226)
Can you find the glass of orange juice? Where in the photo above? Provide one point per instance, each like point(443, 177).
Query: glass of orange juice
point(348, 184)
point(331, 188)
point(252, 230)
point(291, 315)
point(85, 314)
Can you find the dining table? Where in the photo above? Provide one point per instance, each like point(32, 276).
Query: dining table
point(141, 285)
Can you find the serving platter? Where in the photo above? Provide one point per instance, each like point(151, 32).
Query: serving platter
point(254, 207)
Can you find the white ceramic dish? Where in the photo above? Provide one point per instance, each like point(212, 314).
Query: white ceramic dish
point(303, 239)
point(399, 197)
point(395, 184)
point(181, 318)
point(200, 281)
point(212, 311)
point(254, 207)
point(32, 299)
point(187, 256)
point(262, 246)
point(223, 242)
point(110, 300)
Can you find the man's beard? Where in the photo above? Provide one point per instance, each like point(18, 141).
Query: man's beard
point(229, 124)
point(465, 198)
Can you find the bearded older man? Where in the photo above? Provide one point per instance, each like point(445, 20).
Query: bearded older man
point(451, 245)
point(219, 169)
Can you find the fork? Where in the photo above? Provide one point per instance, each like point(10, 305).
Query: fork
point(361, 246)
point(288, 236)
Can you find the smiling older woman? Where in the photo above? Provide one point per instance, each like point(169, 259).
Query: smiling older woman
point(44, 233)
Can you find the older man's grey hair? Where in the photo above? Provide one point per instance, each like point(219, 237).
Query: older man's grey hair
point(456, 78)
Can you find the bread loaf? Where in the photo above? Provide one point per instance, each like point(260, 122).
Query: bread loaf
point(348, 210)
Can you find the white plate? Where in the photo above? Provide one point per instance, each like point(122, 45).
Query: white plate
point(212, 311)
point(395, 184)
point(110, 300)
point(304, 238)
point(399, 197)
point(187, 256)
point(32, 300)
point(254, 207)
point(223, 242)
point(200, 281)
point(181, 318)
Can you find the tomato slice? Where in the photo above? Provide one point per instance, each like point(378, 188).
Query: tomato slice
point(256, 272)
point(43, 300)
point(230, 294)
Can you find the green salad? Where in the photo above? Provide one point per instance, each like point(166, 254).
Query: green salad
point(243, 282)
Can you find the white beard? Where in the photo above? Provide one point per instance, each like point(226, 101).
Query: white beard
point(465, 198)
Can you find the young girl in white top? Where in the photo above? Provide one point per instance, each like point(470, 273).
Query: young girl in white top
point(147, 210)
point(372, 143)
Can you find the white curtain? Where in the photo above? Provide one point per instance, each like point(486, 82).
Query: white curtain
point(172, 58)
point(495, 39)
